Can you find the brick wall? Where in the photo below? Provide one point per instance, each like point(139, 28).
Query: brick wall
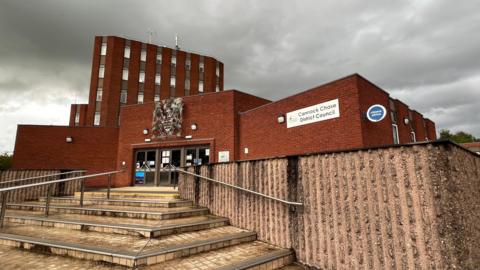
point(214, 114)
point(265, 137)
point(374, 133)
point(45, 148)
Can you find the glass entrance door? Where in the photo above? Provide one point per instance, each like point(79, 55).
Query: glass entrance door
point(145, 163)
point(172, 157)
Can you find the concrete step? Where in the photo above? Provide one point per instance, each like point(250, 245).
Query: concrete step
point(254, 255)
point(163, 203)
point(130, 194)
point(13, 258)
point(121, 250)
point(145, 228)
point(115, 211)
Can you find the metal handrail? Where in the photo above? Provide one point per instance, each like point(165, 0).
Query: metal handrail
point(4, 191)
point(42, 176)
point(239, 188)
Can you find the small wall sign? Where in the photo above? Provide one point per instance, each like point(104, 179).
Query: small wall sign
point(223, 156)
point(376, 113)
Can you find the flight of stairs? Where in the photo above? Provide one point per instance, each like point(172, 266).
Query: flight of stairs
point(131, 230)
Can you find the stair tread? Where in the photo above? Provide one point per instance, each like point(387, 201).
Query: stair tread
point(13, 258)
point(111, 207)
point(229, 257)
point(142, 200)
point(134, 222)
point(118, 243)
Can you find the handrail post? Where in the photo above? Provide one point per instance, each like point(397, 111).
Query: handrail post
point(4, 207)
point(82, 191)
point(47, 203)
point(109, 185)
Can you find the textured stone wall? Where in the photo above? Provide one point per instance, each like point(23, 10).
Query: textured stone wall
point(60, 189)
point(404, 207)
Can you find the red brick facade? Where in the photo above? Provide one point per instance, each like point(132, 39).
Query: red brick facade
point(246, 126)
point(115, 62)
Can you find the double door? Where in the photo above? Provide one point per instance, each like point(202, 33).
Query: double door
point(153, 167)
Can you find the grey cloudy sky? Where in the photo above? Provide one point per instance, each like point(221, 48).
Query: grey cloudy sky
point(423, 52)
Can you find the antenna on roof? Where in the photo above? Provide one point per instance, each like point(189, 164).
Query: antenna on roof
point(176, 42)
point(150, 33)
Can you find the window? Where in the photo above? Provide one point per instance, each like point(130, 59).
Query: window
point(99, 94)
point(101, 71)
point(414, 139)
point(123, 96)
point(156, 98)
point(200, 86)
point(157, 79)
point(143, 55)
point(126, 52)
point(103, 50)
point(96, 120)
point(159, 58)
point(140, 97)
point(141, 77)
point(217, 70)
point(125, 74)
point(174, 60)
point(187, 84)
point(172, 81)
point(217, 88)
point(201, 67)
point(77, 118)
point(188, 64)
point(395, 134)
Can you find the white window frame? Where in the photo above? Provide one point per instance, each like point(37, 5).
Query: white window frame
point(187, 84)
point(126, 52)
point(173, 81)
point(101, 71)
point(140, 97)
point(125, 74)
point(156, 98)
point(123, 96)
point(77, 118)
point(141, 77)
point(201, 67)
point(103, 49)
point(143, 55)
point(217, 88)
point(99, 94)
point(414, 137)
point(217, 71)
point(396, 138)
point(200, 87)
point(159, 58)
point(96, 119)
point(158, 79)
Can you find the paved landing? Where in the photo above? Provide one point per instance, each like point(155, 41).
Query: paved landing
point(113, 207)
point(117, 242)
point(17, 259)
point(152, 223)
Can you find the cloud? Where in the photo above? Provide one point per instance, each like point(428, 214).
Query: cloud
point(423, 52)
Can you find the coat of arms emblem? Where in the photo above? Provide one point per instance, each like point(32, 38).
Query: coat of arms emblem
point(167, 118)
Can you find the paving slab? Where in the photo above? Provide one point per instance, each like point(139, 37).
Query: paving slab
point(118, 225)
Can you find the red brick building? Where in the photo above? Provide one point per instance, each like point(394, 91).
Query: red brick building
point(214, 126)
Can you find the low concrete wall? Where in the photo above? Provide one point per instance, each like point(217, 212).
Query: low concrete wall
point(403, 207)
point(60, 189)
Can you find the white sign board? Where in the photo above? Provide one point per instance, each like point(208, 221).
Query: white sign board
point(316, 113)
point(223, 156)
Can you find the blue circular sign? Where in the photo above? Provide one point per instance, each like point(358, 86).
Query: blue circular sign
point(376, 113)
